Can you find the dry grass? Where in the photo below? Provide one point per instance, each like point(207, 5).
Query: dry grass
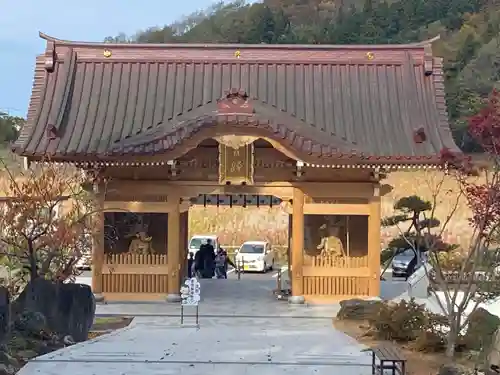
point(237, 225)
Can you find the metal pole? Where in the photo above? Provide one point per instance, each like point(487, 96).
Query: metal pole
point(278, 280)
point(182, 314)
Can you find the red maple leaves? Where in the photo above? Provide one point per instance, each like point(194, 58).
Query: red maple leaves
point(484, 201)
point(483, 198)
point(485, 125)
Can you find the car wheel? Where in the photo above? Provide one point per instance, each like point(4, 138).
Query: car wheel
point(271, 266)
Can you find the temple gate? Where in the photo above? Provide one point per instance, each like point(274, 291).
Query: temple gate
point(314, 127)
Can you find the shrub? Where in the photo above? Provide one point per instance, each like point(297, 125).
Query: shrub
point(481, 329)
point(411, 323)
point(400, 322)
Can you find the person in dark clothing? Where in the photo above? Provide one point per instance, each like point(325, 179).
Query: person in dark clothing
point(206, 260)
point(198, 262)
point(210, 259)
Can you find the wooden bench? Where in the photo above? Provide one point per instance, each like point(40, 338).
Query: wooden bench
point(390, 358)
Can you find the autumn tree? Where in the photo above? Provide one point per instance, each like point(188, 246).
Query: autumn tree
point(46, 220)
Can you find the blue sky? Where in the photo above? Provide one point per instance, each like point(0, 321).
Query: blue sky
point(89, 20)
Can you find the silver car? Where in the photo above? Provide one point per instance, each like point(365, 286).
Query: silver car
point(401, 263)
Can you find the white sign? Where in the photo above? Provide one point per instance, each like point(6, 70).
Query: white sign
point(190, 292)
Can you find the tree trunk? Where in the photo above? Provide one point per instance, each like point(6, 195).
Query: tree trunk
point(32, 260)
point(451, 342)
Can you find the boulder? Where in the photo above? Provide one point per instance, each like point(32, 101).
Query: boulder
point(68, 309)
point(481, 329)
point(76, 310)
point(358, 309)
point(4, 313)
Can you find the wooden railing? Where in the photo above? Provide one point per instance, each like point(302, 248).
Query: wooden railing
point(336, 262)
point(129, 258)
point(134, 273)
point(337, 287)
point(336, 277)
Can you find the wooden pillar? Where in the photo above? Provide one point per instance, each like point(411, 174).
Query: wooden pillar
point(183, 245)
point(297, 253)
point(98, 245)
point(173, 256)
point(374, 243)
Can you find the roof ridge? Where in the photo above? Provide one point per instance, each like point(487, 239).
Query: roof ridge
point(419, 45)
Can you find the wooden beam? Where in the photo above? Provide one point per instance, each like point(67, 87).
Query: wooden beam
point(297, 242)
point(336, 209)
point(337, 189)
point(374, 246)
point(280, 189)
point(138, 207)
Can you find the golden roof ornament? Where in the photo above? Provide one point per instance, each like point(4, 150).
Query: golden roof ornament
point(107, 53)
point(370, 56)
point(237, 54)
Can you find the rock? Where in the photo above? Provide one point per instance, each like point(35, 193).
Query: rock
point(481, 329)
point(69, 309)
point(68, 340)
point(357, 309)
point(77, 310)
point(4, 313)
point(30, 323)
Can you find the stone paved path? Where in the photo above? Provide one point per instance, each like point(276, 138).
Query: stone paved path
point(242, 330)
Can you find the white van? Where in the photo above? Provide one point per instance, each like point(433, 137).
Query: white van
point(199, 239)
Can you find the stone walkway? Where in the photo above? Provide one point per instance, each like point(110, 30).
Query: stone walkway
point(242, 330)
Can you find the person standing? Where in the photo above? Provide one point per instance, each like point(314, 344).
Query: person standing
point(210, 259)
point(206, 260)
point(222, 262)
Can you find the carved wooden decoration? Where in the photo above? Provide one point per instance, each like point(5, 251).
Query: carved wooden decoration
point(236, 165)
point(235, 102)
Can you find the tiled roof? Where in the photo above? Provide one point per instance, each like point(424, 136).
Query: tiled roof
point(96, 101)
